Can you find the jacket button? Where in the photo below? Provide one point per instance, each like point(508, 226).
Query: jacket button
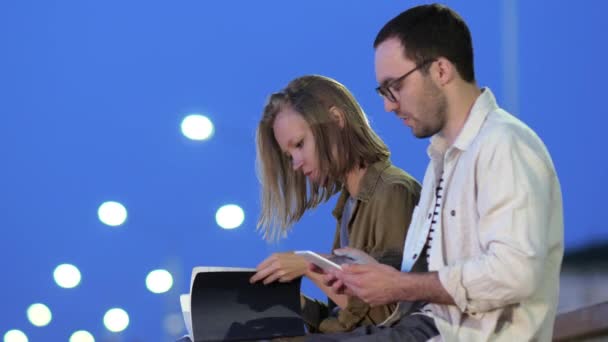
point(430, 215)
point(453, 212)
point(415, 255)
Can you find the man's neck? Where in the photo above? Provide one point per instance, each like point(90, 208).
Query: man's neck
point(460, 102)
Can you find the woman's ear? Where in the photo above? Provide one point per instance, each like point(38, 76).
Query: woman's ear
point(337, 115)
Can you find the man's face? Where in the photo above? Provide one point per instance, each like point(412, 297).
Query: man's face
point(420, 102)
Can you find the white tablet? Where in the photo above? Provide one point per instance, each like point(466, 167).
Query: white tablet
point(318, 260)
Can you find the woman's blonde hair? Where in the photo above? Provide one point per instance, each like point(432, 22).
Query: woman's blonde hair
point(285, 193)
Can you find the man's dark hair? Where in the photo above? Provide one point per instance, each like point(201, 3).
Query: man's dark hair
point(432, 31)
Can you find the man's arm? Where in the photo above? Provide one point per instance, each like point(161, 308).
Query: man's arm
point(519, 205)
point(379, 284)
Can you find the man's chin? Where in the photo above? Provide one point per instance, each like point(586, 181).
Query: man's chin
point(422, 134)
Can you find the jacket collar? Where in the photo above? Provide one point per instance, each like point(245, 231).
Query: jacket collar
point(366, 189)
point(484, 104)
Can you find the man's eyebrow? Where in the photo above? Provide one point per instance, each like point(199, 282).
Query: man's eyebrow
point(386, 81)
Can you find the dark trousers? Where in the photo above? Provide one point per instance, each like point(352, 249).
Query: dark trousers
point(413, 327)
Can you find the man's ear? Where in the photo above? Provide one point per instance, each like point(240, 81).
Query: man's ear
point(444, 71)
point(337, 115)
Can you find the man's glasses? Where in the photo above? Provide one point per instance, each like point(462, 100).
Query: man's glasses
point(385, 89)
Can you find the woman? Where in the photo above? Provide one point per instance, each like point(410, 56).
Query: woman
point(314, 141)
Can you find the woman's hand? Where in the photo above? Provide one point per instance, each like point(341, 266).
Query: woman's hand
point(283, 267)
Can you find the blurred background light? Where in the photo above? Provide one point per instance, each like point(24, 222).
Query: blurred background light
point(82, 336)
point(174, 324)
point(229, 216)
point(197, 127)
point(159, 281)
point(116, 320)
point(39, 314)
point(112, 213)
point(67, 276)
point(15, 336)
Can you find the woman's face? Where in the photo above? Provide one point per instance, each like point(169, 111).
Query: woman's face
point(295, 138)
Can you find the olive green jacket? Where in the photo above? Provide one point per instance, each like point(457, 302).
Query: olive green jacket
point(378, 226)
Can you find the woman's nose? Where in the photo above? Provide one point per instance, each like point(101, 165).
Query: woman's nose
point(296, 163)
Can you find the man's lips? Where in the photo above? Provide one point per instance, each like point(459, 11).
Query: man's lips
point(404, 117)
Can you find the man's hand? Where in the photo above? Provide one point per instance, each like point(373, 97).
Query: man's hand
point(375, 283)
point(283, 267)
point(332, 278)
point(378, 284)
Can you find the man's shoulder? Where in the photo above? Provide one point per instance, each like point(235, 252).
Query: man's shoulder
point(502, 128)
point(504, 134)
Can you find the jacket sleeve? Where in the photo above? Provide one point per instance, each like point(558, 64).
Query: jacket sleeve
point(392, 213)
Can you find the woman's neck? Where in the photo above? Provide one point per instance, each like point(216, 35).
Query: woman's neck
point(353, 180)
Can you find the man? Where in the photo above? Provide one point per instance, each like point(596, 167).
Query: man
point(483, 252)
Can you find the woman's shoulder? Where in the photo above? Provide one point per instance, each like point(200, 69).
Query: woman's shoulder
point(393, 176)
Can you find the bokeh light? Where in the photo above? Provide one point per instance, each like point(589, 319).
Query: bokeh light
point(197, 127)
point(39, 314)
point(159, 281)
point(15, 336)
point(67, 276)
point(112, 213)
point(82, 336)
point(230, 216)
point(174, 324)
point(116, 320)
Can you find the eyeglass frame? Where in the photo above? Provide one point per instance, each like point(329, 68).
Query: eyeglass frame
point(385, 89)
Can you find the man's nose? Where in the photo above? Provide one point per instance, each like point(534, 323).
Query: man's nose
point(390, 106)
